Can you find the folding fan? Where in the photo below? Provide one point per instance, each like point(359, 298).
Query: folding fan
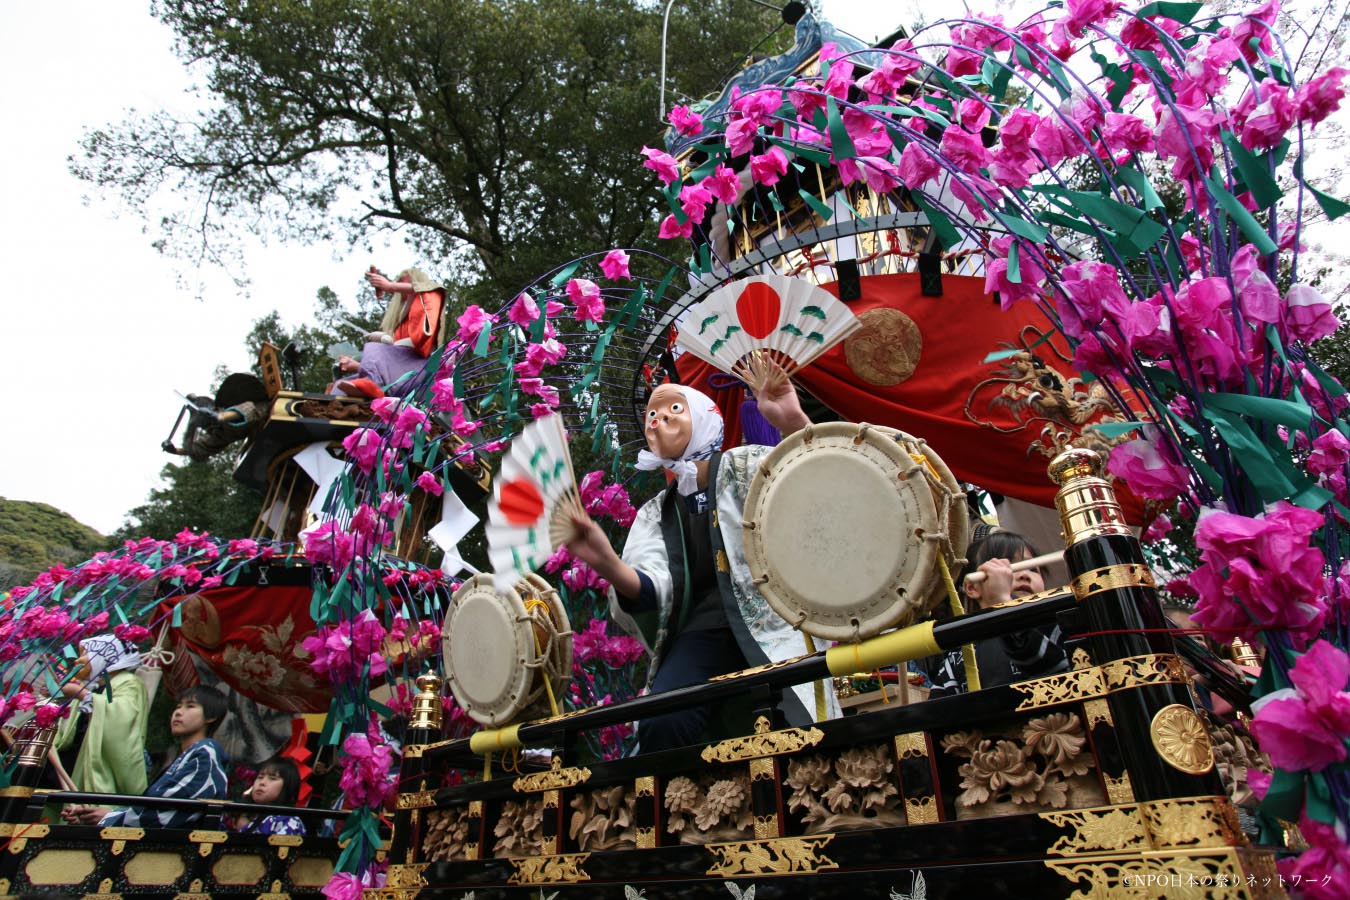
point(794, 321)
point(532, 502)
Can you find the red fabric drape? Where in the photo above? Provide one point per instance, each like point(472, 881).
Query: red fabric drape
point(249, 637)
point(957, 331)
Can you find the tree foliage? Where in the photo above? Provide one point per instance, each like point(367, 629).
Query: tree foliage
point(34, 537)
point(506, 133)
point(202, 496)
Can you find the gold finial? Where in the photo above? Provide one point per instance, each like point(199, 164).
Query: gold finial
point(426, 705)
point(1244, 654)
point(1086, 500)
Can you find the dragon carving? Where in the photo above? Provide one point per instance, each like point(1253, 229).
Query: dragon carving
point(1033, 391)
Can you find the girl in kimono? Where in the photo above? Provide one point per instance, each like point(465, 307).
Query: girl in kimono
point(682, 586)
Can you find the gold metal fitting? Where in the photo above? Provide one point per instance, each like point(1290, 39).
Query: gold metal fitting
point(1087, 502)
point(33, 743)
point(426, 704)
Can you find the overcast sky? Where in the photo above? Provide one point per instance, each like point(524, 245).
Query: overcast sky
point(98, 333)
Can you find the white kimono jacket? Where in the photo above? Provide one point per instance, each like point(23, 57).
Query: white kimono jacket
point(763, 635)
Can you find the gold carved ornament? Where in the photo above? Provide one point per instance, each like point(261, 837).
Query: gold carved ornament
point(1101, 830)
point(762, 743)
point(416, 800)
point(562, 869)
point(410, 876)
point(776, 856)
point(921, 810)
point(1097, 681)
point(1192, 822)
point(911, 745)
point(552, 780)
point(1118, 790)
point(1200, 875)
point(1111, 578)
point(1181, 739)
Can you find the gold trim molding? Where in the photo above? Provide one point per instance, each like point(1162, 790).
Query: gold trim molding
point(776, 856)
point(1195, 875)
point(767, 667)
point(561, 869)
point(416, 800)
point(1098, 681)
point(554, 779)
point(1112, 578)
point(762, 743)
point(1183, 823)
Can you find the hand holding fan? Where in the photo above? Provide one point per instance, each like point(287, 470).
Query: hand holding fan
point(533, 501)
point(742, 327)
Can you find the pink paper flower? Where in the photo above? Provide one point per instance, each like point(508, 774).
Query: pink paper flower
point(1321, 97)
point(965, 150)
point(1265, 126)
point(740, 136)
point(662, 163)
point(724, 184)
point(694, 200)
point(1260, 573)
point(1322, 871)
point(685, 121)
point(132, 634)
point(363, 447)
point(537, 356)
point(767, 168)
point(1305, 727)
point(672, 228)
point(471, 324)
point(758, 105)
point(524, 311)
point(615, 265)
point(1149, 469)
point(1308, 315)
point(585, 295)
point(917, 166)
point(1126, 133)
point(1331, 451)
point(428, 482)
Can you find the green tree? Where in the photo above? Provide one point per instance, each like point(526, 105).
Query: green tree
point(507, 133)
point(202, 496)
point(34, 537)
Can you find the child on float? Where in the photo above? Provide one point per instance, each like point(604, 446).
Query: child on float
point(682, 586)
point(1016, 656)
point(277, 783)
point(197, 773)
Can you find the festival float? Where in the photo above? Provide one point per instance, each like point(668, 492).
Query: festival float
point(1057, 260)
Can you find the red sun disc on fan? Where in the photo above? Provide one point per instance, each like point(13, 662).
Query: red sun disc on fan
point(758, 308)
point(521, 502)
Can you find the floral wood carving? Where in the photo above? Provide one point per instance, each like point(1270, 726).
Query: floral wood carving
point(718, 809)
point(603, 819)
point(854, 790)
point(1035, 769)
point(520, 828)
point(447, 833)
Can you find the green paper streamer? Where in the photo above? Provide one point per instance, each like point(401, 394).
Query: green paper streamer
point(1267, 409)
point(1255, 170)
point(840, 143)
point(480, 347)
point(1246, 222)
point(564, 274)
point(1180, 12)
point(819, 208)
point(1022, 228)
point(947, 234)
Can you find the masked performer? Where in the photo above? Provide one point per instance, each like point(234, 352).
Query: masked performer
point(682, 586)
point(114, 709)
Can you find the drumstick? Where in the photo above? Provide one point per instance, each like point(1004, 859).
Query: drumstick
point(1034, 563)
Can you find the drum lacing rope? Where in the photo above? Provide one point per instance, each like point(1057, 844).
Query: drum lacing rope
point(545, 653)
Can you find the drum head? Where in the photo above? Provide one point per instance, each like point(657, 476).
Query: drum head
point(843, 530)
point(488, 651)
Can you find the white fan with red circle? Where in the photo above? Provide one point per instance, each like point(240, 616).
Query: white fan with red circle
point(790, 320)
point(535, 495)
